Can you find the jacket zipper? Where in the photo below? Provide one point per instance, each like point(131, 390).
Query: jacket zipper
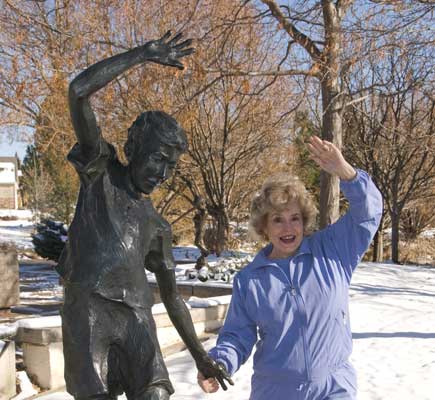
point(295, 294)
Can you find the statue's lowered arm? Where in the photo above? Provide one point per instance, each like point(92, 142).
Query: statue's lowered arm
point(158, 261)
point(180, 317)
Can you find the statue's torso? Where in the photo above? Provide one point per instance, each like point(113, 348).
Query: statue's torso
point(110, 237)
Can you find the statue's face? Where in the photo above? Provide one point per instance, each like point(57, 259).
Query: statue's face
point(153, 166)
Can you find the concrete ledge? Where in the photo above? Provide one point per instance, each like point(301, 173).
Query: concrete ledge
point(39, 336)
point(217, 312)
point(43, 349)
point(198, 289)
point(7, 370)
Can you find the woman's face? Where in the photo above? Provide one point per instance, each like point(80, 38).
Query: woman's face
point(285, 230)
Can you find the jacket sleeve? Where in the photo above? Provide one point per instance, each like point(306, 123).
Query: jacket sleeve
point(239, 333)
point(352, 233)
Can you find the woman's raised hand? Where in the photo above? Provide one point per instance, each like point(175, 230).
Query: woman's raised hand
point(329, 158)
point(168, 52)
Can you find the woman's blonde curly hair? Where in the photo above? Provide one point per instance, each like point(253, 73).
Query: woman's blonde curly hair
point(277, 192)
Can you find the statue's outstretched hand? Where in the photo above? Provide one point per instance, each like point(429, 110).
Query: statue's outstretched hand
point(211, 372)
point(168, 52)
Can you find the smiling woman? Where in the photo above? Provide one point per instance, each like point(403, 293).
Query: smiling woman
point(276, 195)
point(282, 212)
point(292, 299)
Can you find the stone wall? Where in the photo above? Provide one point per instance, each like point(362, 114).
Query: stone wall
point(7, 196)
point(9, 282)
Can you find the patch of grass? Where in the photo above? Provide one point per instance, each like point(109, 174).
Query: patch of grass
point(418, 251)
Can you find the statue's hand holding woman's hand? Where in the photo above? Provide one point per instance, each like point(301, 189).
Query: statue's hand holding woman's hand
point(329, 158)
point(211, 374)
point(168, 52)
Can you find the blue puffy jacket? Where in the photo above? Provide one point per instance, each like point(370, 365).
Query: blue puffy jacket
point(301, 326)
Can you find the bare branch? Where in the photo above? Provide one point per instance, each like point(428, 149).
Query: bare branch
point(313, 71)
point(297, 35)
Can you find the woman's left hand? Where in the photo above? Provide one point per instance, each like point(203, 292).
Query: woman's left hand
point(329, 158)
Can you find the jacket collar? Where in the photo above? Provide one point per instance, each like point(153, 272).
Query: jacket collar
point(261, 259)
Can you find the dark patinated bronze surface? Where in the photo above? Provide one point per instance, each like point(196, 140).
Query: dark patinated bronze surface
point(109, 335)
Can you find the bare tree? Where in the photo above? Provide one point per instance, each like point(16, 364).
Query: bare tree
point(323, 40)
point(391, 133)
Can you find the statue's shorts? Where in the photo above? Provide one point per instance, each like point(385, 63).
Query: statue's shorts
point(109, 347)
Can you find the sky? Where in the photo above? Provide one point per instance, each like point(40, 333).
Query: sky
point(8, 149)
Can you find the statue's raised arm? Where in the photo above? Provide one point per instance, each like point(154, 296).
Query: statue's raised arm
point(163, 51)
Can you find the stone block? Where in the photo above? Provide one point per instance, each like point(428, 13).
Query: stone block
point(7, 370)
point(39, 336)
point(9, 282)
point(45, 364)
point(211, 291)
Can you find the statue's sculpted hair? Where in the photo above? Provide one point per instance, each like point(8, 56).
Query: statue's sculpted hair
point(151, 125)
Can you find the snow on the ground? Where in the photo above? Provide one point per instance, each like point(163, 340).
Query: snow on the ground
point(16, 233)
point(17, 230)
point(18, 214)
point(393, 327)
point(26, 387)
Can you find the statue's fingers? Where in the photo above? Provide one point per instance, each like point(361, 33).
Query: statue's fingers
point(186, 52)
point(176, 63)
point(176, 38)
point(221, 382)
point(166, 36)
point(185, 43)
point(230, 381)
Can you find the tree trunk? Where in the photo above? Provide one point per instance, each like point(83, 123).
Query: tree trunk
point(378, 243)
point(332, 104)
point(199, 223)
point(331, 131)
point(222, 229)
point(395, 219)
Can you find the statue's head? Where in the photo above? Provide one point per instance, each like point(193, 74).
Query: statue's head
point(154, 144)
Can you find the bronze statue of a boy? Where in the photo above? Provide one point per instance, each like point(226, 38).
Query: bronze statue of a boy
point(109, 335)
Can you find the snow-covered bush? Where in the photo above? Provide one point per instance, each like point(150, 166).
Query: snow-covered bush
point(224, 270)
point(50, 239)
